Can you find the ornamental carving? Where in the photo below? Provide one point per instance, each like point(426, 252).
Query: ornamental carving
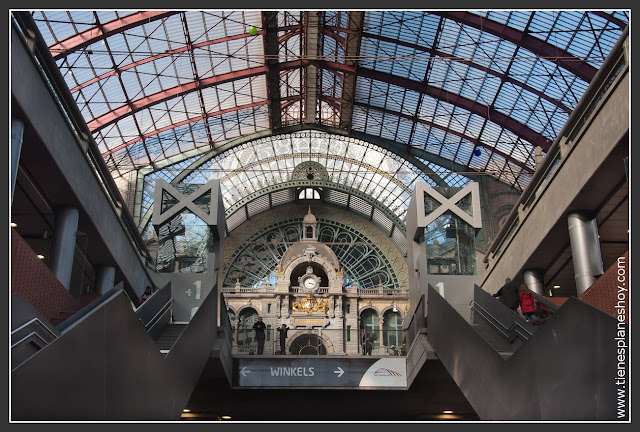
point(309, 304)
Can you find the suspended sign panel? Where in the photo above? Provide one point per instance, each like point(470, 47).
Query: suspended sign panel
point(387, 372)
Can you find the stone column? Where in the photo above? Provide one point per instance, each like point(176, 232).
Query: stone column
point(64, 242)
point(534, 279)
point(585, 250)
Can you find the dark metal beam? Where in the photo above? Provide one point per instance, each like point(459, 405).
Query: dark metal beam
point(576, 66)
point(448, 57)
point(103, 31)
point(621, 24)
point(473, 140)
point(310, 50)
point(351, 50)
point(271, 48)
point(474, 107)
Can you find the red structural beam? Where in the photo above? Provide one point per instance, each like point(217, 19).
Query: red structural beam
point(577, 66)
point(159, 56)
point(137, 105)
point(182, 123)
point(103, 31)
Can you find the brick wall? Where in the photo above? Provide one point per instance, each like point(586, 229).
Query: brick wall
point(34, 281)
point(605, 293)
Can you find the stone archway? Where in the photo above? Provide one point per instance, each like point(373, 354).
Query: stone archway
point(308, 344)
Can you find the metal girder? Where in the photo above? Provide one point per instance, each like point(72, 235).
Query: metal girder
point(137, 105)
point(182, 123)
point(503, 77)
point(351, 50)
point(311, 31)
point(271, 50)
point(621, 24)
point(121, 69)
point(389, 145)
point(568, 61)
point(520, 130)
point(102, 31)
point(473, 140)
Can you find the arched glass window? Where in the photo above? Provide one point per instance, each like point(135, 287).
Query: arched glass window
point(369, 323)
point(309, 193)
point(245, 329)
point(308, 344)
point(392, 329)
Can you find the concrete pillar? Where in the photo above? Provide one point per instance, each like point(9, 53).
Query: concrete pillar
point(534, 279)
point(105, 278)
point(17, 131)
point(585, 250)
point(64, 242)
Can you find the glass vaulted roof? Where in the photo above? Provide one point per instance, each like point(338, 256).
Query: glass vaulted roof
point(452, 92)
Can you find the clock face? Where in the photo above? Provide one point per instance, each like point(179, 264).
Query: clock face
point(310, 283)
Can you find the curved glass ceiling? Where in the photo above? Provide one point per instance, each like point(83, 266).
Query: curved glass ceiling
point(263, 164)
point(476, 89)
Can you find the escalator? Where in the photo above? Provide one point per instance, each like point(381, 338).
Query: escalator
point(564, 369)
point(106, 363)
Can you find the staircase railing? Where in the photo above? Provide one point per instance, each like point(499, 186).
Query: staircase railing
point(562, 373)
point(104, 363)
point(509, 324)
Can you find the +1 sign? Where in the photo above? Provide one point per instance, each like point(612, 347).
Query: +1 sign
point(320, 372)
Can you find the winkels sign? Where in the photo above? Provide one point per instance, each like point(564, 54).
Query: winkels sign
point(320, 372)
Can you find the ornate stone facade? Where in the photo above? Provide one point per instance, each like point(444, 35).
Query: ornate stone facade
point(325, 310)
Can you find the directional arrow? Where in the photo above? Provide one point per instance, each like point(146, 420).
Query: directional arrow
point(339, 371)
point(244, 371)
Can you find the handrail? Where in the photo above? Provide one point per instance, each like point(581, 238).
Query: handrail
point(550, 305)
point(40, 324)
point(567, 377)
point(509, 333)
point(30, 337)
point(47, 64)
point(149, 310)
point(73, 319)
point(499, 316)
point(158, 314)
point(547, 163)
point(417, 321)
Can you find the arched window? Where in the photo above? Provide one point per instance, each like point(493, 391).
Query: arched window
point(308, 344)
point(392, 329)
point(369, 323)
point(245, 329)
point(309, 194)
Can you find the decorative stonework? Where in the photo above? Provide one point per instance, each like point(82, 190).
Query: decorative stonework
point(248, 237)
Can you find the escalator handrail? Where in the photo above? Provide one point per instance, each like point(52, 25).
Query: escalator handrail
point(73, 319)
point(509, 333)
point(500, 314)
point(39, 323)
point(154, 305)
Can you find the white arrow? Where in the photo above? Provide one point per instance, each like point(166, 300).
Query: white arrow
point(339, 371)
point(244, 372)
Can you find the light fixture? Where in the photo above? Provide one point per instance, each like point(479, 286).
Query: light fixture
point(225, 417)
point(13, 225)
point(447, 412)
point(186, 410)
point(556, 286)
point(40, 256)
